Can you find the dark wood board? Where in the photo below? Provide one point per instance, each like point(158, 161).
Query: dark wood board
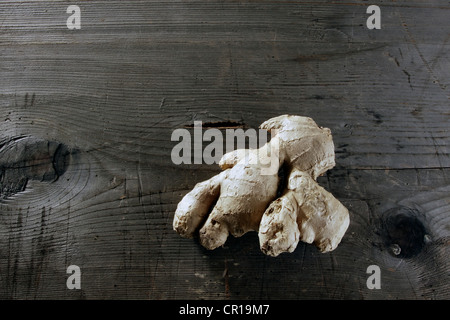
point(86, 118)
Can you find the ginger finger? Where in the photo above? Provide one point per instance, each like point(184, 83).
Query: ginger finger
point(320, 217)
point(195, 205)
point(230, 159)
point(278, 231)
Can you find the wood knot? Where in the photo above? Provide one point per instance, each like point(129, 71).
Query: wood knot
point(404, 232)
point(26, 158)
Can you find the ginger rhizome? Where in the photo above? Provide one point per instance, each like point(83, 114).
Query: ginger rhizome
point(243, 197)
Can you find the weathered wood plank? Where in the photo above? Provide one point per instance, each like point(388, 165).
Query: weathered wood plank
point(86, 118)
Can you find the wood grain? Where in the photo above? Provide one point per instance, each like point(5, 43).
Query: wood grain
point(110, 95)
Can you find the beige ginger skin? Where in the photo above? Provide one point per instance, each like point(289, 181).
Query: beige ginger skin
point(242, 197)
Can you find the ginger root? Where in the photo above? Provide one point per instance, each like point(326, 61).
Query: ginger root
point(242, 197)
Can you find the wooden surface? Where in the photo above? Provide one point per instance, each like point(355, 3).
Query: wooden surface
point(86, 118)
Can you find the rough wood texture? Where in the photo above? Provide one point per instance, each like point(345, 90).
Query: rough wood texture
point(86, 118)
